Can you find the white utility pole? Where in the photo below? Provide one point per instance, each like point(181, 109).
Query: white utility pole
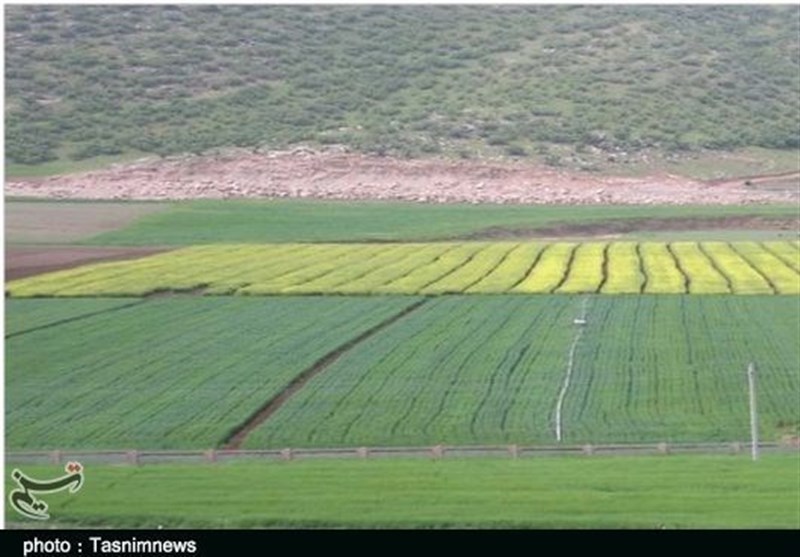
point(751, 382)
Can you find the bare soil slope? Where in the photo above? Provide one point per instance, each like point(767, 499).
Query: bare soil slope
point(37, 235)
point(334, 174)
point(23, 262)
point(62, 223)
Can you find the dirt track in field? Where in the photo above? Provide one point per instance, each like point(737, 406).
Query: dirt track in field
point(23, 262)
point(238, 436)
point(302, 173)
point(613, 228)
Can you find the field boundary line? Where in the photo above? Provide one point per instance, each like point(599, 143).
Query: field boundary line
point(490, 271)
point(755, 269)
point(163, 456)
point(604, 268)
point(452, 271)
point(532, 266)
point(778, 256)
point(567, 269)
point(716, 267)
point(238, 435)
point(568, 375)
point(642, 270)
point(414, 269)
point(74, 318)
point(499, 263)
point(687, 281)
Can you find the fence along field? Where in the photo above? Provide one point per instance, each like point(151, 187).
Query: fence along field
point(441, 268)
point(458, 370)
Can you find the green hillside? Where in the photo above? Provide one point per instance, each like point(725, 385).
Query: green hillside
point(553, 82)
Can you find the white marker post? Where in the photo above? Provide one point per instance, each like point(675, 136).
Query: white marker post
point(751, 381)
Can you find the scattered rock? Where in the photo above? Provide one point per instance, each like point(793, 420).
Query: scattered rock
point(336, 174)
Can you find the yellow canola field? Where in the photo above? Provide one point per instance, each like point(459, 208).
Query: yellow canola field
point(549, 271)
point(663, 276)
point(586, 270)
point(704, 277)
point(743, 277)
point(783, 278)
point(623, 272)
point(510, 271)
point(439, 268)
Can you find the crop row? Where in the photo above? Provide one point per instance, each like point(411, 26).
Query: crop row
point(484, 370)
point(441, 268)
point(456, 370)
point(168, 373)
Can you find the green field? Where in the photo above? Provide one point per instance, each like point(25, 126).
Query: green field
point(487, 370)
point(186, 223)
point(28, 315)
point(571, 492)
point(168, 373)
point(299, 323)
point(440, 268)
point(204, 222)
point(184, 373)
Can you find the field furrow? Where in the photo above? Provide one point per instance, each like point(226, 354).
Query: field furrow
point(623, 268)
point(585, 274)
point(29, 315)
point(517, 265)
point(325, 261)
point(410, 257)
point(481, 264)
point(704, 278)
point(785, 252)
point(743, 278)
point(781, 276)
point(484, 370)
point(208, 364)
point(663, 275)
point(449, 262)
point(549, 271)
point(329, 282)
point(436, 269)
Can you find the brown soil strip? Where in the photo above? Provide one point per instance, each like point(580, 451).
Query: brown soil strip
point(237, 436)
point(626, 226)
point(24, 262)
point(198, 290)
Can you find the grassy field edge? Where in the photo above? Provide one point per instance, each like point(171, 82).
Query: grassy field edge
point(622, 492)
